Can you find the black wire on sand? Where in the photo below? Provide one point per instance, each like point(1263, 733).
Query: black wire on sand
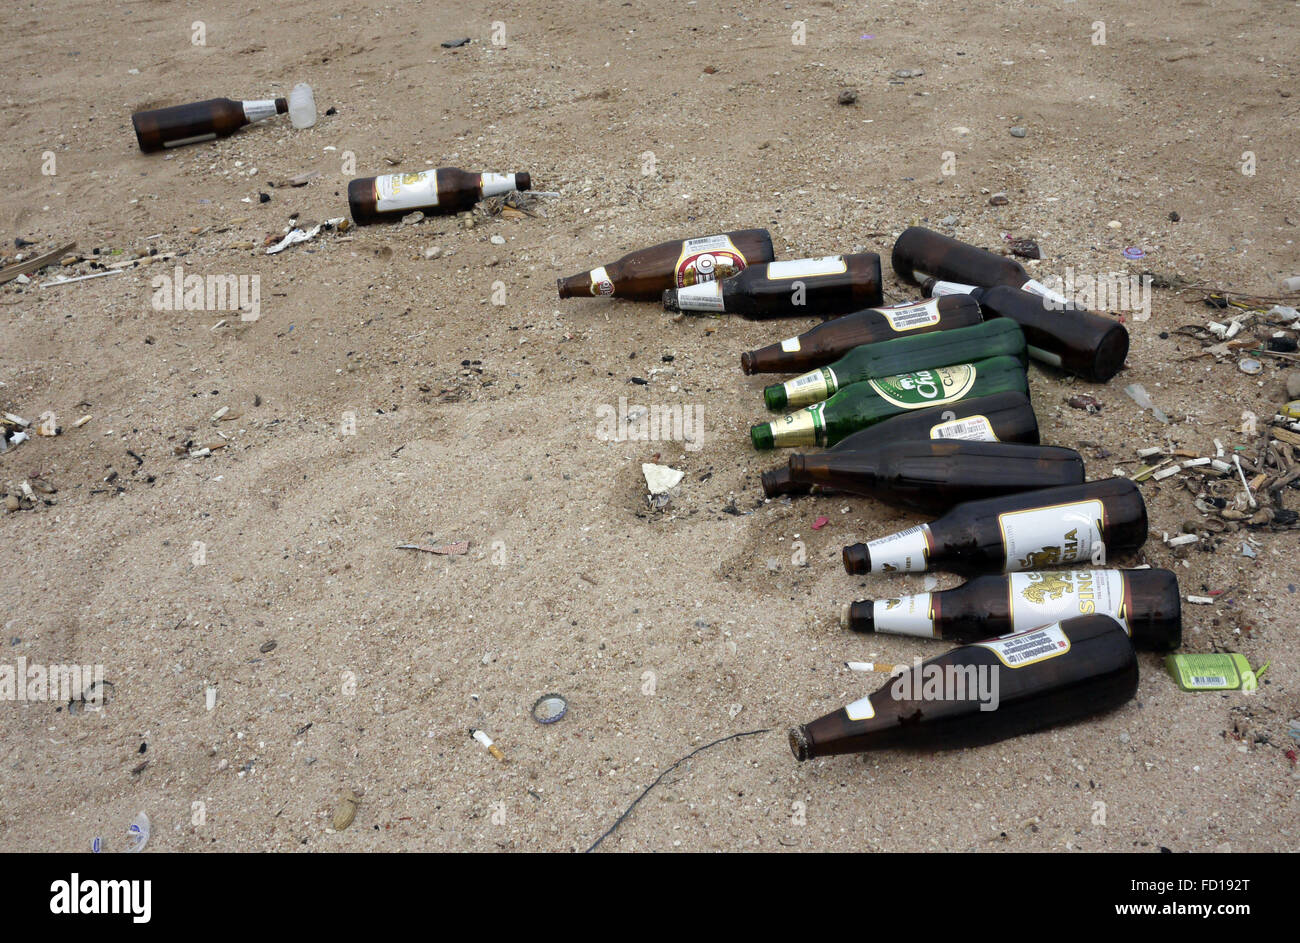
point(659, 779)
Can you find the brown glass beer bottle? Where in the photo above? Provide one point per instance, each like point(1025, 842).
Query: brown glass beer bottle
point(1145, 602)
point(937, 474)
point(200, 121)
point(998, 417)
point(646, 274)
point(982, 693)
point(1065, 336)
point(833, 339)
point(923, 253)
point(389, 197)
point(799, 288)
point(1037, 530)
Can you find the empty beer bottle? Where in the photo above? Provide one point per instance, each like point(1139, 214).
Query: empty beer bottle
point(1037, 530)
point(923, 253)
point(833, 339)
point(799, 288)
point(936, 474)
point(1065, 336)
point(982, 693)
point(200, 121)
point(1000, 417)
point(864, 404)
point(646, 274)
point(1145, 602)
point(446, 190)
point(904, 355)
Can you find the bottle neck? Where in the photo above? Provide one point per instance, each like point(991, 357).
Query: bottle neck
point(260, 109)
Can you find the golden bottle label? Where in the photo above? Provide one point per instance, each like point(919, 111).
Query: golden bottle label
point(406, 191)
point(926, 387)
point(1044, 538)
point(710, 258)
point(1036, 599)
point(803, 427)
point(812, 387)
point(1027, 648)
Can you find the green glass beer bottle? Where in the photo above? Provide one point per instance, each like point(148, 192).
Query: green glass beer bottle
point(1145, 602)
point(833, 339)
point(982, 693)
point(1000, 417)
point(905, 355)
point(859, 405)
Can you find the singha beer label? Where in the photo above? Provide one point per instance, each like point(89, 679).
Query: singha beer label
point(1028, 648)
point(908, 615)
point(909, 317)
point(709, 259)
point(1039, 598)
point(406, 191)
point(907, 551)
point(926, 387)
point(1043, 538)
point(972, 428)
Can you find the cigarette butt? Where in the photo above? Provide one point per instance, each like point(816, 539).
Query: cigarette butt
point(868, 666)
point(492, 748)
point(82, 421)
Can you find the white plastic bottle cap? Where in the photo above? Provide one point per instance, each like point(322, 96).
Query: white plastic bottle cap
point(302, 106)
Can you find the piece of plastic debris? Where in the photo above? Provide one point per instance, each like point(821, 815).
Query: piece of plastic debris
point(549, 708)
point(1133, 252)
point(1217, 329)
point(295, 236)
point(484, 739)
point(302, 106)
point(210, 698)
point(1138, 394)
point(137, 834)
point(660, 479)
point(1248, 551)
point(1220, 466)
point(96, 846)
point(1250, 498)
point(1201, 600)
point(455, 549)
point(79, 278)
point(1182, 540)
point(820, 522)
point(345, 811)
point(454, 43)
point(1250, 365)
point(1218, 671)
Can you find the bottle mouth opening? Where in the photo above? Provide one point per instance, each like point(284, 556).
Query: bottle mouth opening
point(799, 743)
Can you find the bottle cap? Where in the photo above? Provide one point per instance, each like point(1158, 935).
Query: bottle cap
point(302, 106)
point(761, 436)
point(775, 396)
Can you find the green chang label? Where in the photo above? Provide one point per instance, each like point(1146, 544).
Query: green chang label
point(926, 387)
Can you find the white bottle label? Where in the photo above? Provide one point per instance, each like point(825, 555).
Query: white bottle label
point(941, 288)
point(861, 709)
point(492, 184)
point(259, 109)
point(790, 345)
point(807, 268)
point(707, 259)
point(907, 615)
point(908, 551)
point(1043, 538)
point(406, 191)
point(703, 296)
point(1027, 648)
point(1038, 288)
point(973, 428)
point(600, 283)
point(1036, 599)
point(911, 316)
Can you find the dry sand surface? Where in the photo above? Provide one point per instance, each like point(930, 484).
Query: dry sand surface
point(665, 629)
